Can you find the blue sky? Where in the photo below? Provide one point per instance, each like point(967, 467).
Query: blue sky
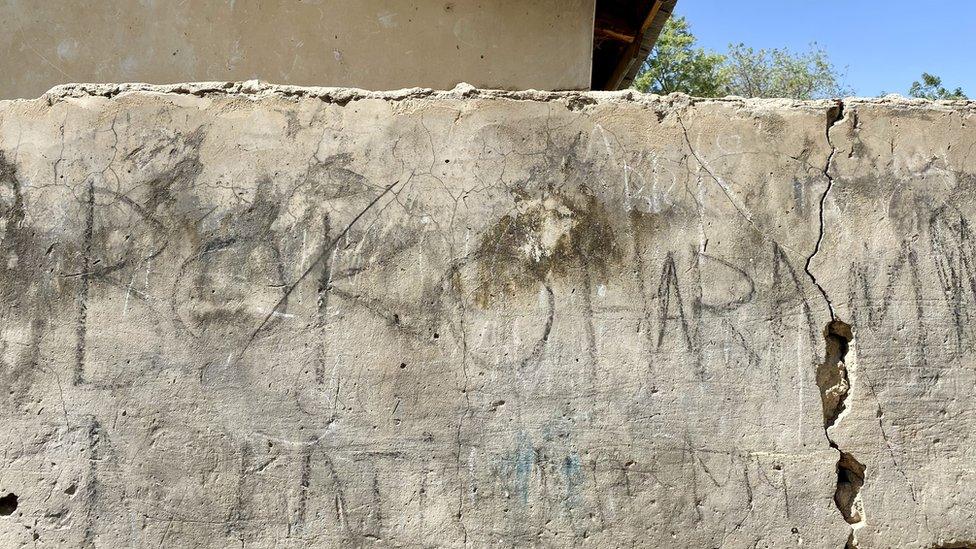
point(884, 45)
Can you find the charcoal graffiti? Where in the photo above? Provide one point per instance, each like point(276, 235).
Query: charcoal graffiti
point(267, 316)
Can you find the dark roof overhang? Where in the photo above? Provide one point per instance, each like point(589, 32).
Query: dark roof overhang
point(624, 34)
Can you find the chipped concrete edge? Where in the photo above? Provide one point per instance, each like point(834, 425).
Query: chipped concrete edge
point(257, 90)
point(575, 100)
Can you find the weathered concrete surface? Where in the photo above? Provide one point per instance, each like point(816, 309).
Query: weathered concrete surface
point(288, 317)
point(375, 44)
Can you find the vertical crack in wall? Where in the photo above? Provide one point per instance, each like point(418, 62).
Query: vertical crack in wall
point(834, 115)
point(833, 379)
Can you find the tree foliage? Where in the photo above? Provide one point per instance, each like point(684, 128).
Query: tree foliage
point(931, 88)
point(780, 72)
point(678, 65)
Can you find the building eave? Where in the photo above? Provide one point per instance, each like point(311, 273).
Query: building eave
point(625, 32)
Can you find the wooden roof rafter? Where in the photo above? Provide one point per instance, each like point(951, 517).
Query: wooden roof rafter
point(624, 34)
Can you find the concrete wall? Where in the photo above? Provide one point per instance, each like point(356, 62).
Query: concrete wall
point(289, 317)
point(372, 44)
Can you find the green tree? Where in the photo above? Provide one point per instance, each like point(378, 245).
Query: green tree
point(780, 72)
point(931, 88)
point(677, 65)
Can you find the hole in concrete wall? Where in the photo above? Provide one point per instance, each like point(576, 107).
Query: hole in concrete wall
point(832, 377)
point(8, 504)
point(850, 479)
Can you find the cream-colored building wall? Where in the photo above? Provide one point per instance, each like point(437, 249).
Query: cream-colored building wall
point(372, 44)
